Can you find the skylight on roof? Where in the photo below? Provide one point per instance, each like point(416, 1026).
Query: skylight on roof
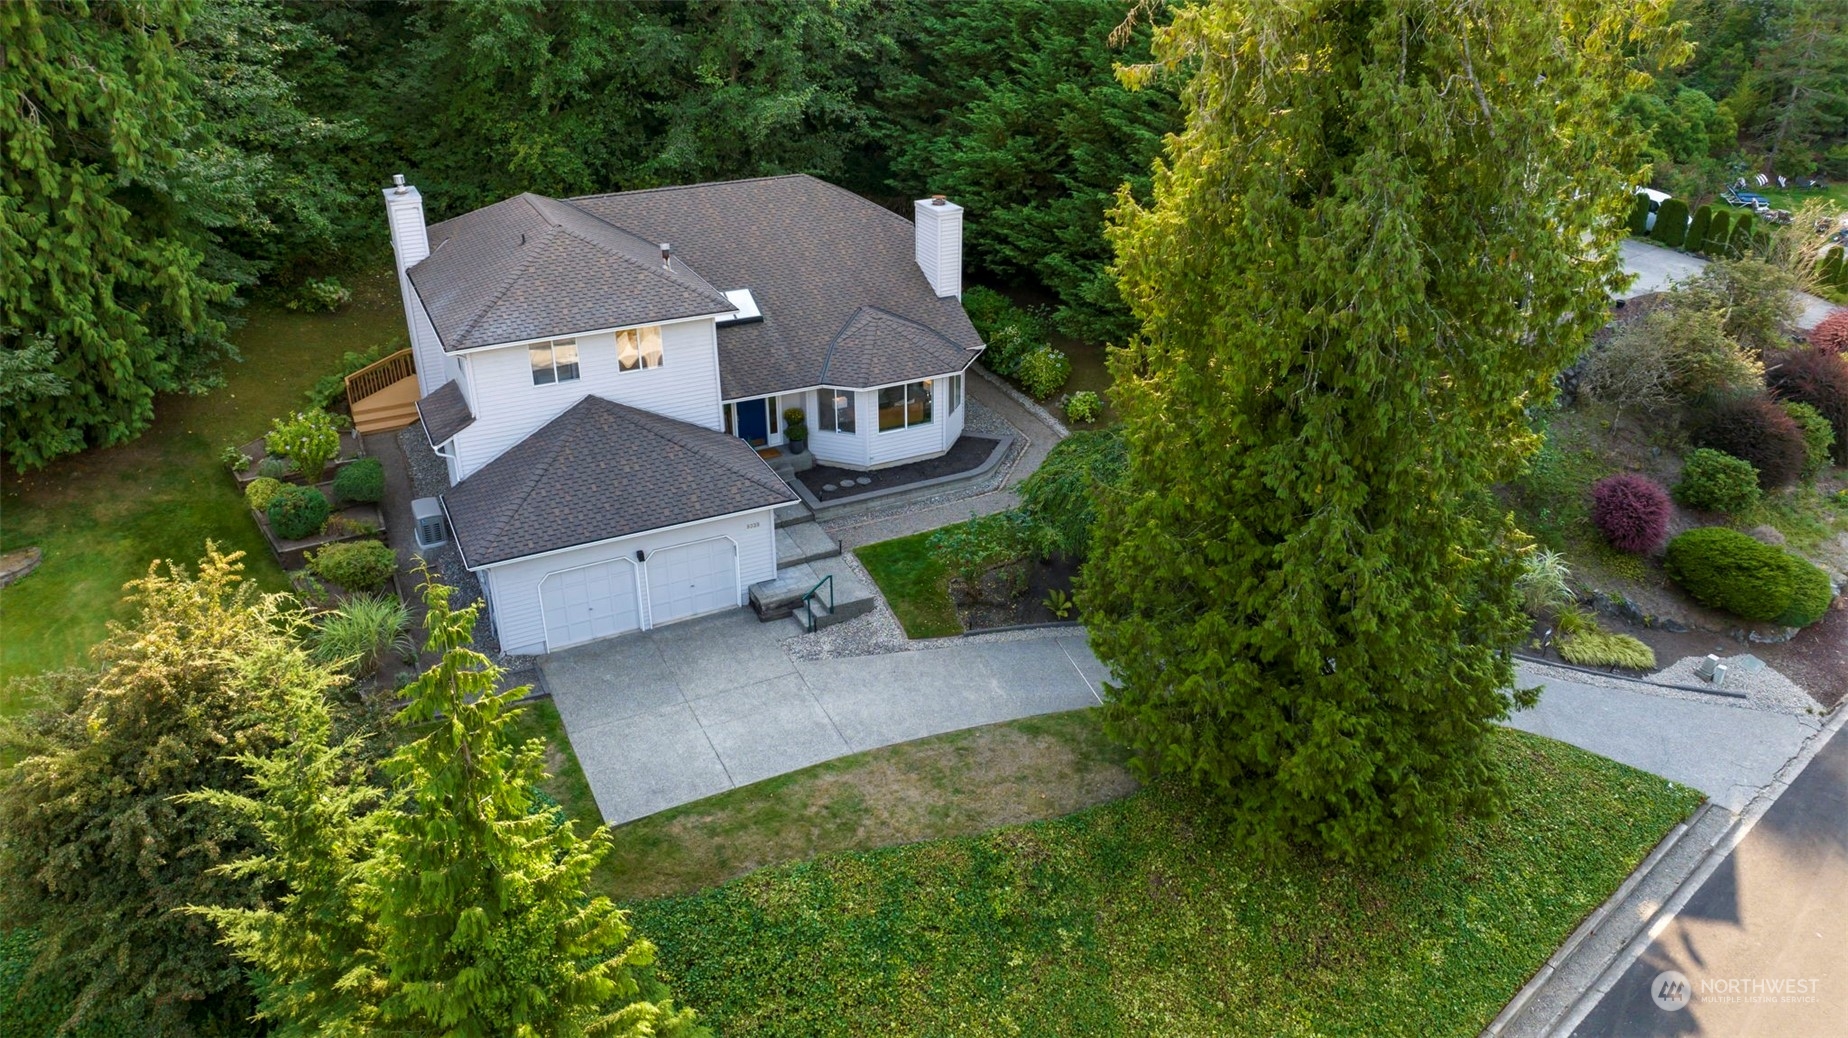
point(745, 305)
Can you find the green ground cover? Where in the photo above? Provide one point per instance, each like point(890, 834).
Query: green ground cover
point(1132, 918)
point(102, 516)
point(914, 583)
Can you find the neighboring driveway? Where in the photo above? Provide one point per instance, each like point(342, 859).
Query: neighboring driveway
point(666, 717)
point(1726, 751)
point(1657, 268)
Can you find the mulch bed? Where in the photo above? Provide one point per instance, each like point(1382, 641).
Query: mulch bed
point(1014, 593)
point(964, 455)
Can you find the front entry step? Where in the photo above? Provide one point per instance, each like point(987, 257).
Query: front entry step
point(802, 543)
point(781, 597)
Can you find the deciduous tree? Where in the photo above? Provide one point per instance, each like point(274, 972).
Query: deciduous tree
point(1371, 249)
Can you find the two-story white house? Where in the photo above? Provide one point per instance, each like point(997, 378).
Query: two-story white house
point(600, 373)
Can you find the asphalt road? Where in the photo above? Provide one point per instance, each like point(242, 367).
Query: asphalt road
point(1763, 944)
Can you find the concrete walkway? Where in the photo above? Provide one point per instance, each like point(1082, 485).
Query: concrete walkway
point(1726, 751)
point(1658, 268)
point(665, 717)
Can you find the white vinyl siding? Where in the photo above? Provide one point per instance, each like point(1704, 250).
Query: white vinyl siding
point(514, 587)
point(843, 448)
point(508, 407)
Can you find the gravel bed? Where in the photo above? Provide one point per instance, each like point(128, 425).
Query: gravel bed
point(430, 477)
point(1766, 690)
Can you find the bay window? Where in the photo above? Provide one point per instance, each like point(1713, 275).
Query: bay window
point(902, 407)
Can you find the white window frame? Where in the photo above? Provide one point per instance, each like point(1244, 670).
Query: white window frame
point(955, 392)
point(641, 339)
point(930, 398)
point(551, 349)
point(828, 412)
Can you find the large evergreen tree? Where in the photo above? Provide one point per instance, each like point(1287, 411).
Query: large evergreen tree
point(96, 853)
point(460, 907)
point(101, 254)
point(1384, 230)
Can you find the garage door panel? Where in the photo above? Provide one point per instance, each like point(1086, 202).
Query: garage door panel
point(691, 579)
point(589, 602)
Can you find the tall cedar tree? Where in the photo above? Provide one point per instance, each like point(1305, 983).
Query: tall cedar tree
point(1370, 250)
point(95, 851)
point(461, 907)
point(102, 258)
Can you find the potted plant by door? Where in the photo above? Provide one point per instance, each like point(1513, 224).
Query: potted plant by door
point(795, 429)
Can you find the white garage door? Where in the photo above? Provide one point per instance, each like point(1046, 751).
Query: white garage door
point(589, 602)
point(690, 579)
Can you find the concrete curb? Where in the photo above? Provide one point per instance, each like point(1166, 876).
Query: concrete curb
point(1722, 846)
point(1596, 920)
point(820, 509)
point(1542, 662)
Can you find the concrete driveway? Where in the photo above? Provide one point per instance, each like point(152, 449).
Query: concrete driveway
point(1657, 268)
point(1723, 749)
point(662, 718)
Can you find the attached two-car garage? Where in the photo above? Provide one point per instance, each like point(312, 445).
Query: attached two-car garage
point(584, 603)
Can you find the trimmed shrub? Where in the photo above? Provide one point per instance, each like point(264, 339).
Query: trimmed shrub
point(1820, 381)
point(1744, 229)
point(1753, 427)
point(311, 439)
point(1697, 231)
point(1006, 347)
point(1714, 481)
point(1084, 406)
point(261, 492)
point(1727, 570)
point(1042, 373)
point(1061, 495)
point(1717, 233)
point(297, 512)
point(1818, 436)
point(1810, 594)
point(354, 565)
point(1631, 511)
point(1831, 336)
point(1639, 215)
point(360, 480)
point(275, 467)
point(1604, 649)
point(1671, 226)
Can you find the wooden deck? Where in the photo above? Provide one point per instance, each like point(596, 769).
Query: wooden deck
point(393, 407)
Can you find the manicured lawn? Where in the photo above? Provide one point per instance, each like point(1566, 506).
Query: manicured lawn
point(1133, 918)
point(957, 784)
point(102, 516)
point(914, 583)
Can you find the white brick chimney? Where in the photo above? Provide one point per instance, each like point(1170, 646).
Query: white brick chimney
point(939, 243)
point(410, 244)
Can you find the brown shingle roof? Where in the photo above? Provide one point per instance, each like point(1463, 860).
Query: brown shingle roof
point(813, 255)
point(604, 470)
point(876, 348)
point(444, 413)
point(532, 267)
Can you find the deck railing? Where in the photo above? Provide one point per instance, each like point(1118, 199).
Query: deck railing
point(378, 375)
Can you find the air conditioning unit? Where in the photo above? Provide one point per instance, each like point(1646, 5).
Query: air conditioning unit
point(428, 514)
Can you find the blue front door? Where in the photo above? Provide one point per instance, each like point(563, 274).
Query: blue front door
point(753, 421)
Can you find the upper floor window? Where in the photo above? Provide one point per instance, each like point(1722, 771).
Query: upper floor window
point(555, 361)
point(836, 410)
point(638, 348)
point(901, 407)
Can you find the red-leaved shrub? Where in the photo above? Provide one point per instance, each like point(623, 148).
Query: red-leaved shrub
point(1631, 511)
point(1819, 380)
point(1753, 427)
point(1831, 336)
